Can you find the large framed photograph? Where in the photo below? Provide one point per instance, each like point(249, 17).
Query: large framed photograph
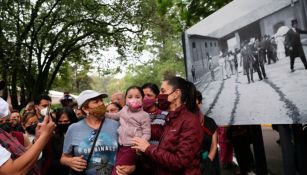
point(248, 60)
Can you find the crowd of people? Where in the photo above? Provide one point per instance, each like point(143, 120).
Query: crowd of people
point(147, 130)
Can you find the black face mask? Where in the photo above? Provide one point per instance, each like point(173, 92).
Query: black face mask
point(31, 129)
point(63, 127)
point(6, 127)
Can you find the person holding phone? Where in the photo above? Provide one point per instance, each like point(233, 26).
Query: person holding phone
point(14, 159)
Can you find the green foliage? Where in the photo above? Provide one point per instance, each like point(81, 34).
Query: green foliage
point(47, 44)
point(199, 9)
point(38, 37)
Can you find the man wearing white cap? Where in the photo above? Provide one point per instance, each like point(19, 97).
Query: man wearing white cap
point(95, 134)
point(13, 157)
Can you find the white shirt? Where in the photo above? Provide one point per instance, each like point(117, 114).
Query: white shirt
point(294, 29)
point(5, 155)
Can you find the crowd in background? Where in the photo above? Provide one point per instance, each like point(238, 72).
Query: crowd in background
point(147, 130)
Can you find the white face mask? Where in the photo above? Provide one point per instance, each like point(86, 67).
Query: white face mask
point(43, 111)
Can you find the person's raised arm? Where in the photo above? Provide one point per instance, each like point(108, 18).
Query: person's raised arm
point(24, 163)
point(114, 116)
point(302, 31)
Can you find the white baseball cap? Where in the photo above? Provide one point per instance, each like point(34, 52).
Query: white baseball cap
point(4, 108)
point(87, 95)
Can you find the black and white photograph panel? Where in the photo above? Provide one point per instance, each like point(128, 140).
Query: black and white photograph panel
point(249, 61)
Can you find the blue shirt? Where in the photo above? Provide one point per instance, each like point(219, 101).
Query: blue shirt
point(79, 139)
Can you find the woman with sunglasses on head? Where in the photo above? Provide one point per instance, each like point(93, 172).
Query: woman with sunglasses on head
point(179, 149)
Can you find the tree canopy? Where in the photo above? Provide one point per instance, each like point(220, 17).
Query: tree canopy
point(52, 44)
point(37, 37)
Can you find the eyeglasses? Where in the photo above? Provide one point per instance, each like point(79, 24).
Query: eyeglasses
point(92, 136)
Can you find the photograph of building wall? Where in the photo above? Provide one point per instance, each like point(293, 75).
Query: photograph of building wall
point(240, 58)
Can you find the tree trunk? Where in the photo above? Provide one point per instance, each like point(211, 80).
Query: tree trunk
point(14, 94)
point(23, 101)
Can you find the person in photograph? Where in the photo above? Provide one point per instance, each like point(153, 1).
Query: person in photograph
point(248, 61)
point(281, 53)
point(262, 50)
point(269, 49)
point(193, 73)
point(259, 63)
point(231, 61)
point(222, 66)
point(274, 48)
point(227, 64)
point(211, 67)
point(235, 60)
point(239, 60)
point(294, 45)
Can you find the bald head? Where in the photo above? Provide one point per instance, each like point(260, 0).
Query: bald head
point(119, 98)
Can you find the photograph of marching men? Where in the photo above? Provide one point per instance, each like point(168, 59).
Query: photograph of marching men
point(248, 60)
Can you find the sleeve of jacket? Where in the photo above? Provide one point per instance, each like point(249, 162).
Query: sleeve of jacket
point(300, 31)
point(114, 116)
point(186, 151)
point(287, 40)
point(117, 115)
point(146, 127)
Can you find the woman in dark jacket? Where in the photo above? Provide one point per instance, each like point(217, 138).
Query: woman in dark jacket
point(53, 150)
point(179, 149)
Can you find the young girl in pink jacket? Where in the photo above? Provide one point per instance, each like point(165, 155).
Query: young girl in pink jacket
point(134, 122)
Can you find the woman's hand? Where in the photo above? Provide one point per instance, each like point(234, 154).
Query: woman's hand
point(124, 169)
point(140, 144)
point(77, 163)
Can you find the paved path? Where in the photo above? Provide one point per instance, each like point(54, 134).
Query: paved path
point(281, 99)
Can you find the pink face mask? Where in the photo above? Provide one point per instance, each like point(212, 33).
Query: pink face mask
point(148, 103)
point(134, 104)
